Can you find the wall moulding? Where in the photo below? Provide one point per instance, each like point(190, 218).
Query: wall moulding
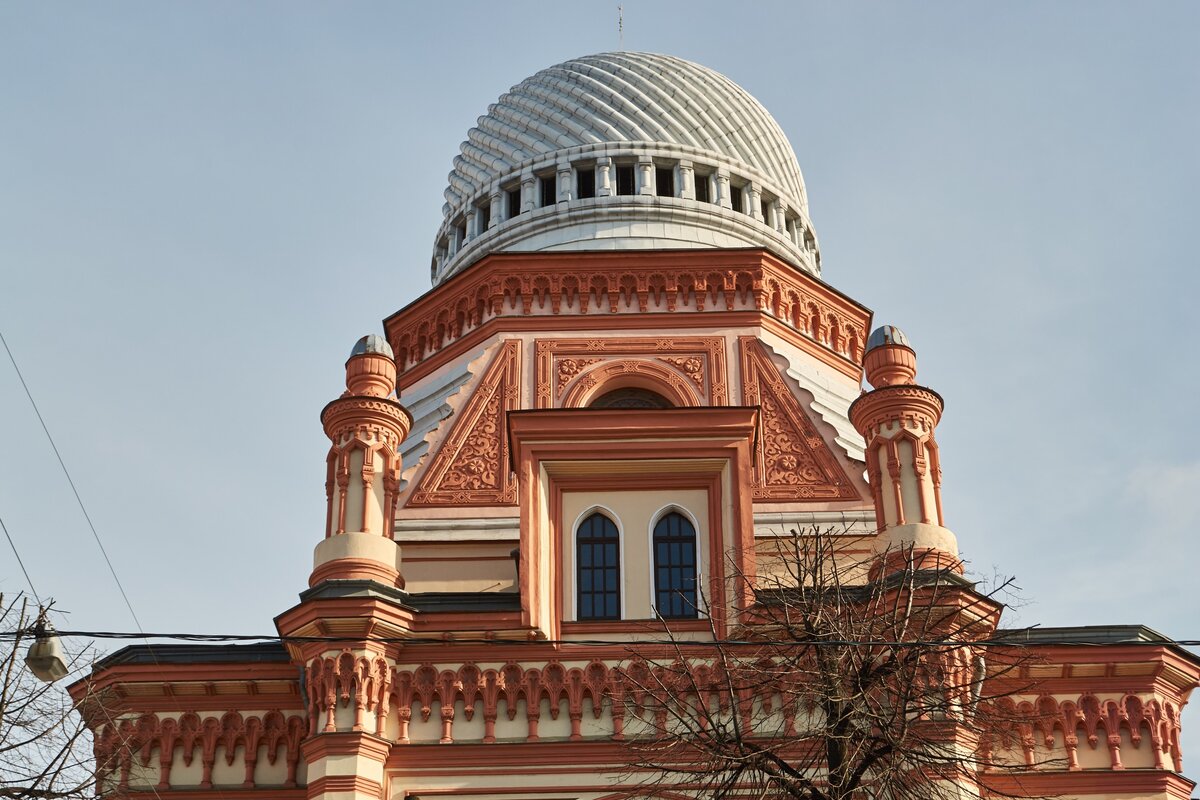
point(665, 282)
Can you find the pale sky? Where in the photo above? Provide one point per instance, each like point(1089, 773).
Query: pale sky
point(204, 205)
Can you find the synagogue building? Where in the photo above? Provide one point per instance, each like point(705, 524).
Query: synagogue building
point(583, 456)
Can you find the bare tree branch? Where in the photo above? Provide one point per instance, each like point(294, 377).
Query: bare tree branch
point(841, 683)
point(45, 747)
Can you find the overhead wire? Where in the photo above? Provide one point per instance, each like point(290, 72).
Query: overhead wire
point(1011, 639)
point(28, 579)
point(91, 526)
point(71, 482)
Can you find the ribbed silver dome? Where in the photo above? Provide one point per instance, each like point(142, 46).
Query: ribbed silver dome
point(623, 97)
point(624, 151)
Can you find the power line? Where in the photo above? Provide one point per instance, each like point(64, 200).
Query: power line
point(1009, 640)
point(22, 563)
point(67, 473)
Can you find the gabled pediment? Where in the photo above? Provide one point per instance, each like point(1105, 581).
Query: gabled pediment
point(471, 467)
point(794, 462)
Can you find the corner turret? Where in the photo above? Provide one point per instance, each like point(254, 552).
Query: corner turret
point(897, 419)
point(365, 427)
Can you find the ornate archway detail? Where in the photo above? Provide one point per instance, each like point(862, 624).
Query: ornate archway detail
point(694, 364)
point(471, 466)
point(631, 373)
point(793, 460)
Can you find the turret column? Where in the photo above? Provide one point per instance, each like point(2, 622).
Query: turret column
point(365, 427)
point(897, 419)
point(347, 681)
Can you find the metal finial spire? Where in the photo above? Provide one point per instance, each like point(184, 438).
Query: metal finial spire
point(620, 27)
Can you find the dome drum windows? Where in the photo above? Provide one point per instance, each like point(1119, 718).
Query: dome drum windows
point(703, 187)
point(613, 176)
point(625, 179)
point(585, 182)
point(652, 176)
point(737, 197)
point(513, 200)
point(664, 181)
point(547, 190)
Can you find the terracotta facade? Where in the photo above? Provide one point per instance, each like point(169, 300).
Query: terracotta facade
point(439, 649)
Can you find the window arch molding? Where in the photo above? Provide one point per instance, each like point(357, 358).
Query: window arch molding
point(697, 552)
point(617, 374)
point(615, 519)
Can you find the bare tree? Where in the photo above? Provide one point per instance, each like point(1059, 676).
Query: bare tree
point(845, 680)
point(45, 749)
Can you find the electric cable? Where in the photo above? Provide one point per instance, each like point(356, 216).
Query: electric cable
point(67, 472)
point(88, 517)
point(1010, 640)
point(28, 579)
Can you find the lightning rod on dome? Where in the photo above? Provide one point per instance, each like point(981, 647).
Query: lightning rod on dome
point(620, 27)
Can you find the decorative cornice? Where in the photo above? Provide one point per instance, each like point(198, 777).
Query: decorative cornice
point(918, 406)
point(623, 288)
point(350, 412)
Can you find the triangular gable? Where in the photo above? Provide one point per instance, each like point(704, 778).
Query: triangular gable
point(471, 466)
point(793, 460)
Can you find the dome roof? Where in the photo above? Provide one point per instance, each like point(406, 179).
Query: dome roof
point(624, 151)
point(623, 97)
point(372, 343)
point(887, 334)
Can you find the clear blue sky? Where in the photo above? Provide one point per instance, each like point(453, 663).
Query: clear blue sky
point(205, 204)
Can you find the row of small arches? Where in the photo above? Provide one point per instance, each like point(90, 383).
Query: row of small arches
point(545, 293)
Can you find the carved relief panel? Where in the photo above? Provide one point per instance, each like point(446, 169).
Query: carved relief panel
point(793, 461)
point(689, 369)
point(471, 466)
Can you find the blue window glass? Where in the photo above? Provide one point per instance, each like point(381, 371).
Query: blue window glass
point(598, 569)
point(675, 567)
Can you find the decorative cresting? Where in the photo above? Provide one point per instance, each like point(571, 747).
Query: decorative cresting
point(1121, 726)
point(382, 699)
point(390, 702)
point(471, 467)
point(624, 151)
point(133, 746)
point(897, 420)
point(793, 461)
point(365, 427)
point(635, 290)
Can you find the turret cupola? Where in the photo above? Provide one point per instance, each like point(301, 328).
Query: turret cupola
point(365, 427)
point(897, 419)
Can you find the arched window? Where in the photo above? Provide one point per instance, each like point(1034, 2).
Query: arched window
point(598, 569)
point(675, 567)
point(631, 397)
